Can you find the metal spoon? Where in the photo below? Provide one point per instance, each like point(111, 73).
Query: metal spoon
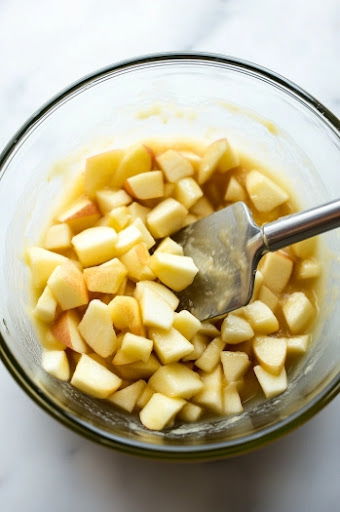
point(227, 246)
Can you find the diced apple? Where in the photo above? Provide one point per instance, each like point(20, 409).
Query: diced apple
point(136, 160)
point(109, 199)
point(193, 158)
point(258, 281)
point(174, 271)
point(95, 245)
point(235, 329)
point(170, 345)
point(96, 328)
point(148, 185)
point(147, 238)
point(174, 165)
point(105, 278)
point(55, 363)
point(42, 263)
point(169, 189)
point(158, 288)
point(156, 312)
point(202, 208)
point(298, 312)
point(189, 219)
point(268, 297)
point(80, 215)
point(272, 385)
point(137, 211)
point(220, 157)
point(211, 355)
point(159, 411)
point(306, 248)
point(176, 380)
point(186, 323)
point(211, 394)
point(170, 246)
point(261, 318)
point(58, 237)
point(100, 170)
point(188, 192)
point(125, 314)
point(127, 398)
point(65, 330)
point(190, 413)
point(94, 379)
point(231, 400)
point(235, 365)
point(235, 192)
point(127, 238)
point(68, 286)
point(136, 348)
point(48, 340)
point(139, 369)
point(308, 269)
point(276, 269)
point(297, 345)
point(209, 329)
point(46, 306)
point(144, 397)
point(270, 353)
point(118, 218)
point(264, 193)
point(199, 342)
point(166, 218)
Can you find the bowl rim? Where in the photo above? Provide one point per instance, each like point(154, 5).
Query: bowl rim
point(210, 451)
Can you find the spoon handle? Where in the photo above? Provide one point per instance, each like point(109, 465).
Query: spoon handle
point(299, 226)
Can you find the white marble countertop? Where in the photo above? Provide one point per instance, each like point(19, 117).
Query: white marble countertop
point(44, 46)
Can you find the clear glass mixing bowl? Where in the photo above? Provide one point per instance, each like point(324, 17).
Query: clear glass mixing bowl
point(165, 95)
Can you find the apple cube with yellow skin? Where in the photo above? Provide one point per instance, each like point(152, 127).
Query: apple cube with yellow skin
point(231, 400)
point(235, 329)
point(186, 323)
point(136, 348)
point(159, 411)
point(264, 193)
point(211, 356)
point(211, 394)
point(138, 211)
point(166, 218)
point(55, 363)
point(42, 263)
point(58, 237)
point(94, 379)
point(188, 192)
point(169, 345)
point(235, 365)
point(137, 261)
point(174, 165)
point(298, 311)
point(276, 269)
point(127, 397)
point(137, 159)
point(190, 413)
point(235, 192)
point(119, 218)
point(189, 219)
point(176, 272)
point(125, 314)
point(105, 278)
point(305, 248)
point(176, 380)
point(308, 269)
point(209, 329)
point(199, 342)
point(202, 208)
point(270, 353)
point(46, 306)
point(272, 385)
point(139, 369)
point(65, 330)
point(68, 286)
point(100, 169)
point(96, 328)
point(144, 397)
point(109, 199)
point(156, 312)
point(261, 318)
point(218, 156)
point(80, 215)
point(127, 238)
point(268, 297)
point(95, 245)
point(147, 238)
point(166, 295)
point(149, 185)
point(297, 345)
point(170, 246)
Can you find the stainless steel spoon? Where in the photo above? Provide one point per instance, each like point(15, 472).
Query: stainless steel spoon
point(227, 246)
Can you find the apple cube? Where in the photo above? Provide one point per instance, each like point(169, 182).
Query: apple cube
point(169, 189)
point(200, 343)
point(109, 199)
point(100, 169)
point(58, 237)
point(136, 160)
point(235, 365)
point(261, 318)
point(105, 278)
point(202, 208)
point(80, 215)
point(268, 297)
point(272, 385)
point(270, 353)
point(144, 397)
point(166, 218)
point(68, 286)
point(169, 345)
point(211, 355)
point(235, 192)
point(176, 272)
point(190, 413)
point(209, 329)
point(174, 165)
point(96, 328)
point(306, 248)
point(137, 261)
point(235, 329)
point(139, 369)
point(276, 269)
point(148, 185)
point(119, 218)
point(188, 192)
point(218, 157)
point(136, 348)
point(308, 269)
point(193, 158)
point(298, 311)
point(46, 306)
point(231, 400)
point(65, 330)
point(211, 394)
point(186, 323)
point(137, 211)
point(147, 238)
point(176, 380)
point(189, 219)
point(127, 398)
point(127, 238)
point(95, 245)
point(167, 295)
point(170, 246)
point(94, 379)
point(297, 345)
point(42, 263)
point(159, 411)
point(156, 312)
point(55, 363)
point(125, 314)
point(48, 340)
point(258, 281)
point(264, 193)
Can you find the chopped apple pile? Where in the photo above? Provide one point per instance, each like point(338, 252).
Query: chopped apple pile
point(106, 275)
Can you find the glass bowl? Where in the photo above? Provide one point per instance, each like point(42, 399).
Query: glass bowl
point(195, 95)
